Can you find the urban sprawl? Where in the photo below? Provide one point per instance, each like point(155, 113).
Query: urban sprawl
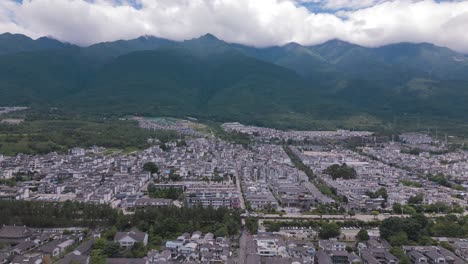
point(280, 178)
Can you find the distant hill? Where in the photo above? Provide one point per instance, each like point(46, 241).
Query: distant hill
point(287, 86)
point(15, 43)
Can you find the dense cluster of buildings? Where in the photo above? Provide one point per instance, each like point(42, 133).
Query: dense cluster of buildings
point(382, 167)
point(261, 178)
point(181, 126)
point(267, 134)
point(268, 248)
point(271, 181)
point(23, 245)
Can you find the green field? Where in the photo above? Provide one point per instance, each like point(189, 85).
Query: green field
point(44, 136)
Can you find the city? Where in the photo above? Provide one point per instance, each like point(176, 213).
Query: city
point(304, 197)
point(233, 132)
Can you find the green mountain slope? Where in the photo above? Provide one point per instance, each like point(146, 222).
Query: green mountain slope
point(15, 43)
point(288, 86)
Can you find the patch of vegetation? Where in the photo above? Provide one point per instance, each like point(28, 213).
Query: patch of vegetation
point(438, 207)
point(411, 183)
point(252, 225)
point(233, 137)
point(44, 136)
point(159, 223)
point(444, 181)
point(329, 230)
point(342, 171)
point(417, 228)
point(382, 192)
point(169, 193)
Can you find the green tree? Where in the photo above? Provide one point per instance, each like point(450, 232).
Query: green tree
point(111, 249)
point(341, 171)
point(96, 257)
point(363, 235)
point(138, 250)
point(252, 225)
point(222, 231)
point(151, 167)
point(329, 230)
point(416, 199)
point(399, 239)
point(375, 214)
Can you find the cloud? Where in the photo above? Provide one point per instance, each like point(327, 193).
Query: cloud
point(341, 4)
point(252, 22)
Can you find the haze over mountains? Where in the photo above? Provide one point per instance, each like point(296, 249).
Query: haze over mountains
point(288, 86)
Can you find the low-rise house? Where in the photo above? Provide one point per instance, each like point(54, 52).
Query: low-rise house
point(331, 245)
point(73, 259)
point(23, 247)
point(376, 251)
point(85, 248)
point(431, 255)
point(128, 239)
point(14, 234)
point(125, 261)
point(28, 259)
point(51, 249)
point(156, 257)
point(152, 202)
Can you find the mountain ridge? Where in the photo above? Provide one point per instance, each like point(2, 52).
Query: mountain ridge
point(208, 77)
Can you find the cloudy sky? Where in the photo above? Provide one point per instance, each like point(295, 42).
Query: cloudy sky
point(252, 22)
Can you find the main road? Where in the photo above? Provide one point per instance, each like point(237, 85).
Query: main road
point(360, 217)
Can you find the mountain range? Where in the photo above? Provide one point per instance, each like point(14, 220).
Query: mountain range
point(284, 86)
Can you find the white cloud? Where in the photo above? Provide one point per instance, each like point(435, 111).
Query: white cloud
point(342, 4)
point(253, 22)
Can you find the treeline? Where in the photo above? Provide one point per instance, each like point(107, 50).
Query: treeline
point(415, 206)
point(160, 223)
point(418, 229)
point(45, 136)
point(444, 181)
point(47, 214)
point(169, 222)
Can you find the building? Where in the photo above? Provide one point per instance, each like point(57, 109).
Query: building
point(128, 239)
point(14, 234)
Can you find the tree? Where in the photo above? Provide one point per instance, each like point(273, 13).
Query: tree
point(399, 239)
point(447, 246)
point(341, 171)
point(138, 250)
point(99, 244)
point(151, 167)
point(96, 257)
point(363, 235)
point(416, 199)
point(111, 249)
point(375, 214)
point(329, 230)
point(399, 253)
point(109, 235)
point(222, 231)
point(252, 225)
point(382, 192)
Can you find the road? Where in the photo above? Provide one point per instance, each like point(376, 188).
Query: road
point(242, 247)
point(239, 189)
point(360, 217)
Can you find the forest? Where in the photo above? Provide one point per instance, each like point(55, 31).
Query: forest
point(160, 223)
point(49, 135)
